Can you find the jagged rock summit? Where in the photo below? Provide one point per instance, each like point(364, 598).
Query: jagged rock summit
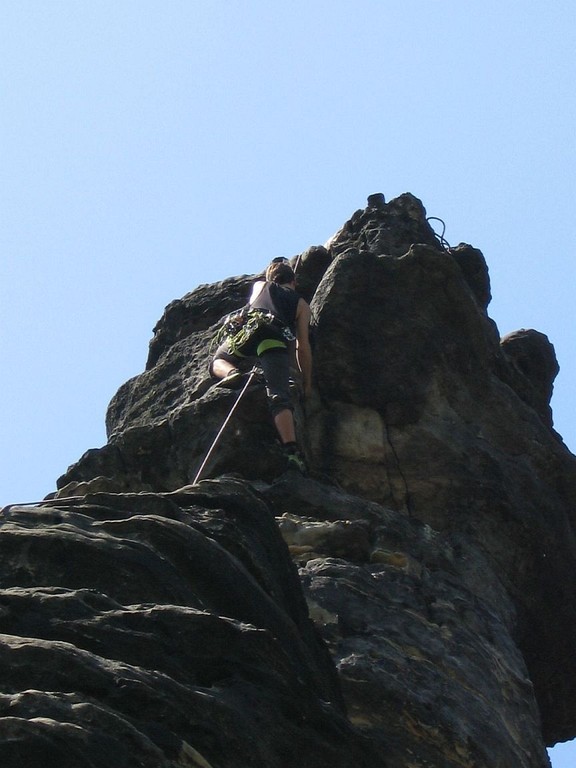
point(410, 604)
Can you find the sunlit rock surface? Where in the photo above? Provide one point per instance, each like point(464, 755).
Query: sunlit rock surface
point(409, 604)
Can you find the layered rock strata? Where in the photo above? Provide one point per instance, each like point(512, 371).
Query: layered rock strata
point(434, 537)
point(162, 630)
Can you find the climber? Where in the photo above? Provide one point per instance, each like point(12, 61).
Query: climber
point(277, 295)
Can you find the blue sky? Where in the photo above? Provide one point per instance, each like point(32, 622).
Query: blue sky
point(149, 147)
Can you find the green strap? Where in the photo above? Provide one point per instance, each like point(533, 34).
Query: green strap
point(267, 344)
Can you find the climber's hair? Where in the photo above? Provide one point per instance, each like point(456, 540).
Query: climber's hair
point(280, 272)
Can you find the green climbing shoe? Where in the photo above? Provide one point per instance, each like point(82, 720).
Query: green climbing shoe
point(296, 461)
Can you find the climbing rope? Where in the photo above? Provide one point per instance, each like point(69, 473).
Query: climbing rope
point(441, 239)
point(223, 427)
point(63, 499)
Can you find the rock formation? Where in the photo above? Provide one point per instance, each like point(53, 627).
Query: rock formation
point(410, 604)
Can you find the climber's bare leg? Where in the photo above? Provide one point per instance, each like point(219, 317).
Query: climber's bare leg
point(221, 368)
point(284, 422)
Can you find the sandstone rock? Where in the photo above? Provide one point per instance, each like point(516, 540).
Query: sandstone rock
point(310, 268)
point(141, 629)
point(435, 537)
point(534, 357)
point(423, 638)
point(471, 262)
point(385, 228)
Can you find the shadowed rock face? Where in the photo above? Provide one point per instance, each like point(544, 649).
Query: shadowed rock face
point(162, 630)
point(434, 540)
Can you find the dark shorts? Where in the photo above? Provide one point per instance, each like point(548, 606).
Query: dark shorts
point(275, 364)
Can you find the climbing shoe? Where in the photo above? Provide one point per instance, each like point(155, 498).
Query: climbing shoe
point(295, 459)
point(234, 380)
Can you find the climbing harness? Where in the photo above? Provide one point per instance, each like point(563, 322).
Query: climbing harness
point(441, 239)
point(239, 328)
point(251, 375)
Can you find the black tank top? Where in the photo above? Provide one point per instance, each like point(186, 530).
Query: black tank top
point(281, 301)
